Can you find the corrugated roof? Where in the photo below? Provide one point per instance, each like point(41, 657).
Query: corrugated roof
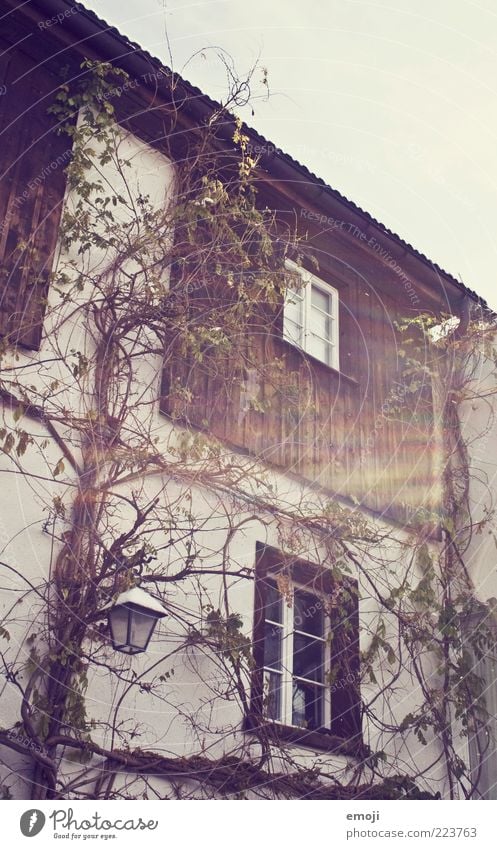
point(195, 92)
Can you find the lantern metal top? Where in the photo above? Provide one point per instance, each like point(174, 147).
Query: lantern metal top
point(136, 597)
point(132, 620)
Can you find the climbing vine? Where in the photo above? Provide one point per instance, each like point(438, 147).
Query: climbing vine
point(128, 497)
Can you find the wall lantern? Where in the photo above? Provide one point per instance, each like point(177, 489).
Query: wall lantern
point(132, 619)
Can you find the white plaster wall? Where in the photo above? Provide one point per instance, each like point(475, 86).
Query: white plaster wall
point(479, 428)
point(27, 484)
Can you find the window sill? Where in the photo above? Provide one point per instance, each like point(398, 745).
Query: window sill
point(340, 375)
point(321, 740)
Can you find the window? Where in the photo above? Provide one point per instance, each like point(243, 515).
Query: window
point(310, 317)
point(32, 162)
point(306, 648)
point(479, 634)
point(295, 659)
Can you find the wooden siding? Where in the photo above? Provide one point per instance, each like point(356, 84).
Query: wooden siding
point(365, 432)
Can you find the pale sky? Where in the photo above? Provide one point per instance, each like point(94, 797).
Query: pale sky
point(392, 103)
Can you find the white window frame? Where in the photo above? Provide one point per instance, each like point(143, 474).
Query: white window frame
point(304, 295)
point(287, 675)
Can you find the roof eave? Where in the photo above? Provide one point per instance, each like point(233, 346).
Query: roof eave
point(111, 45)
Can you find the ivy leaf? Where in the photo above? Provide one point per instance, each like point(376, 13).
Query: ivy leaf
point(9, 443)
point(59, 468)
point(24, 440)
point(406, 722)
point(421, 737)
point(391, 656)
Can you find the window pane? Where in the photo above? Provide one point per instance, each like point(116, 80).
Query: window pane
point(320, 325)
point(272, 646)
point(293, 317)
point(274, 603)
point(307, 705)
point(307, 657)
point(320, 299)
point(293, 305)
point(318, 348)
point(293, 332)
point(308, 613)
point(272, 695)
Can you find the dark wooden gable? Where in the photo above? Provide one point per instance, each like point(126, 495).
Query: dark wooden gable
point(364, 432)
point(343, 430)
point(32, 162)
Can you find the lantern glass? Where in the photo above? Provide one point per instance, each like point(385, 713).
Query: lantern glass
point(131, 627)
point(118, 623)
point(141, 626)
